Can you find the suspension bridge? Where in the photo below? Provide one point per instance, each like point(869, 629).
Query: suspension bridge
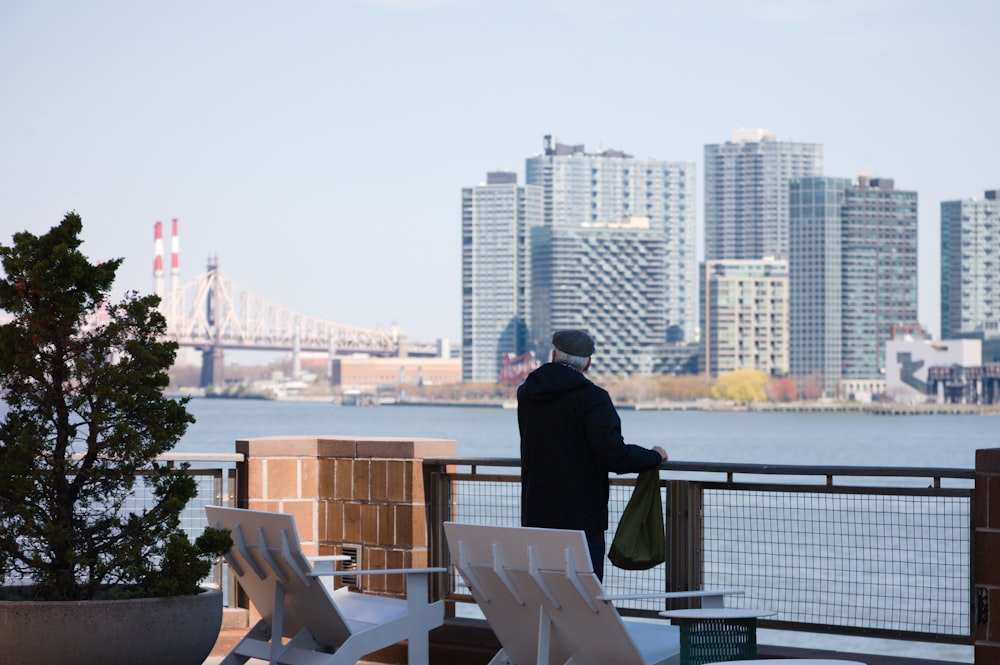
point(213, 313)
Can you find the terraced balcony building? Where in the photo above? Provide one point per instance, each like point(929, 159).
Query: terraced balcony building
point(607, 279)
point(610, 186)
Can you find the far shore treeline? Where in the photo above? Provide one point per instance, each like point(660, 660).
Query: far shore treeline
point(740, 390)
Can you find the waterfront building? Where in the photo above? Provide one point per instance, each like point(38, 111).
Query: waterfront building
point(369, 374)
point(607, 279)
point(611, 186)
point(970, 261)
point(853, 276)
point(744, 311)
point(496, 291)
point(913, 363)
point(746, 193)
point(989, 336)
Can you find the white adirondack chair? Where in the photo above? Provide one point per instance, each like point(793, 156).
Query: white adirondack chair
point(325, 628)
point(538, 591)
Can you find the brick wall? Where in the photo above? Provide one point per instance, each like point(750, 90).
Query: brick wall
point(362, 495)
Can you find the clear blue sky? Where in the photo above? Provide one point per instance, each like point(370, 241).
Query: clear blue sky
point(319, 148)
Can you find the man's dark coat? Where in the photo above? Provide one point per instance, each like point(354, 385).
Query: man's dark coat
point(570, 439)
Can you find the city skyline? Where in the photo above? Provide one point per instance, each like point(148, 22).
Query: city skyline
point(319, 150)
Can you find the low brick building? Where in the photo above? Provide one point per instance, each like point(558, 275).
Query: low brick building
point(367, 373)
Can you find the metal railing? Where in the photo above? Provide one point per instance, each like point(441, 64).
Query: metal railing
point(870, 551)
point(215, 474)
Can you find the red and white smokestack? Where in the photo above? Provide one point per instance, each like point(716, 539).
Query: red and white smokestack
point(158, 259)
point(175, 260)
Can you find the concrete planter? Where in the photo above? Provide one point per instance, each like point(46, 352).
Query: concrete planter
point(180, 630)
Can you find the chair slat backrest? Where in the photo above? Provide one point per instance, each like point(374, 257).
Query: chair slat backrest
point(521, 576)
point(267, 559)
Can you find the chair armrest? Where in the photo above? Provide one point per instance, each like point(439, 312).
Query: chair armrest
point(326, 562)
point(387, 571)
point(710, 598)
point(416, 584)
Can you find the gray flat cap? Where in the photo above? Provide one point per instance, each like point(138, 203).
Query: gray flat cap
point(573, 342)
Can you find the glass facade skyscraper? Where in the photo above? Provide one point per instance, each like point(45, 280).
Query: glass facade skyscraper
point(853, 273)
point(746, 193)
point(610, 187)
point(880, 272)
point(970, 262)
point(496, 223)
point(815, 279)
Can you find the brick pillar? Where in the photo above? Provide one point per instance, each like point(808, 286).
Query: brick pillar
point(986, 550)
point(363, 495)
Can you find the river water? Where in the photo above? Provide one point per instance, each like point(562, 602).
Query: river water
point(698, 436)
point(801, 438)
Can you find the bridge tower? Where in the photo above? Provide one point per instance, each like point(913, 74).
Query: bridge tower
point(213, 368)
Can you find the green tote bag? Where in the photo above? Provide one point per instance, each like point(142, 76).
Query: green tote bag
point(638, 542)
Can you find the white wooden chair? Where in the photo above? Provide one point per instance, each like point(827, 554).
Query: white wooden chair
point(325, 628)
point(538, 591)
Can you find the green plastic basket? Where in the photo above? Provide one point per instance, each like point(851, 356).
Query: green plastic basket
point(713, 640)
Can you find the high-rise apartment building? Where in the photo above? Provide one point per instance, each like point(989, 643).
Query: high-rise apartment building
point(611, 186)
point(853, 275)
point(746, 193)
point(815, 270)
point(970, 262)
point(880, 272)
point(607, 279)
point(744, 313)
point(496, 222)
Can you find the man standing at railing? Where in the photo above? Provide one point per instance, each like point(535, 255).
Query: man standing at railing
point(570, 440)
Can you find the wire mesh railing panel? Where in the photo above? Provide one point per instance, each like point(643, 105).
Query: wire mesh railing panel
point(619, 581)
point(193, 517)
point(886, 562)
point(491, 500)
point(482, 499)
point(213, 489)
point(892, 560)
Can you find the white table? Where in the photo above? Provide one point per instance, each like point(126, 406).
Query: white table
point(711, 633)
point(716, 613)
